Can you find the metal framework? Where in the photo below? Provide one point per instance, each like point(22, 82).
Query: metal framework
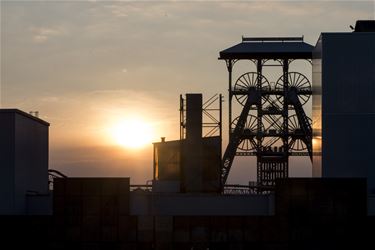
point(212, 116)
point(272, 124)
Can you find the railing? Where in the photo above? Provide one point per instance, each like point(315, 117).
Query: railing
point(232, 189)
point(145, 187)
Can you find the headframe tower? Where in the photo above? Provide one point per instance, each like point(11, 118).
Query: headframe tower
point(272, 124)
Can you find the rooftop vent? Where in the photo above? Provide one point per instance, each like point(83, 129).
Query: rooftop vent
point(365, 26)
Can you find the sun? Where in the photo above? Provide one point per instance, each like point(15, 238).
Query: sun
point(132, 133)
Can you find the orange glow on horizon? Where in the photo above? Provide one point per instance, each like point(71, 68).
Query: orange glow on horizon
point(132, 133)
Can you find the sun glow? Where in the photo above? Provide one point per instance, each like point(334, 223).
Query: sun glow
point(132, 133)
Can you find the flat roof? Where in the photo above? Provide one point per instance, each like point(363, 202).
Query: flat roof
point(269, 48)
point(20, 112)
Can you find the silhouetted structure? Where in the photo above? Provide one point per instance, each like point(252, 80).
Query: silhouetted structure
point(365, 26)
point(191, 164)
point(100, 213)
point(265, 127)
point(344, 106)
point(184, 208)
point(24, 164)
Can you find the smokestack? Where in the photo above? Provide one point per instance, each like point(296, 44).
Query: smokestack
point(194, 117)
point(193, 146)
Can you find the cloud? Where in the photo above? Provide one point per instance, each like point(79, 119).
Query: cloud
point(141, 10)
point(123, 10)
point(50, 99)
point(42, 34)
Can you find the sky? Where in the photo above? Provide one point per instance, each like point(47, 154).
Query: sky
point(88, 65)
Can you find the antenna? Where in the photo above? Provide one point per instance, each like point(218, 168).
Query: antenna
point(34, 113)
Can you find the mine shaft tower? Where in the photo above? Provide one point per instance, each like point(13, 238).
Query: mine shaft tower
point(272, 124)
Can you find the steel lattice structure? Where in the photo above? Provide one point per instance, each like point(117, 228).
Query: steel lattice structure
point(272, 124)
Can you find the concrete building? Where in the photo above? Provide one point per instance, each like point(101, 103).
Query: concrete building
point(24, 164)
point(344, 107)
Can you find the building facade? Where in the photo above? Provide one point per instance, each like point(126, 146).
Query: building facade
point(344, 107)
point(24, 163)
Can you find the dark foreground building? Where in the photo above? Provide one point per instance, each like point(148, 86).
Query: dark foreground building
point(95, 213)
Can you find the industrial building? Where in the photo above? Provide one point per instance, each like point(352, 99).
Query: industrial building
point(344, 107)
point(24, 164)
point(189, 205)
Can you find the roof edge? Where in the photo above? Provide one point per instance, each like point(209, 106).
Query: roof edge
point(23, 113)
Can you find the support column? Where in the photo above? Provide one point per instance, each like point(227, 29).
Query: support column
point(286, 114)
point(230, 67)
point(259, 123)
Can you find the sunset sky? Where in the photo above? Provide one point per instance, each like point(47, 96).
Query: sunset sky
point(88, 66)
